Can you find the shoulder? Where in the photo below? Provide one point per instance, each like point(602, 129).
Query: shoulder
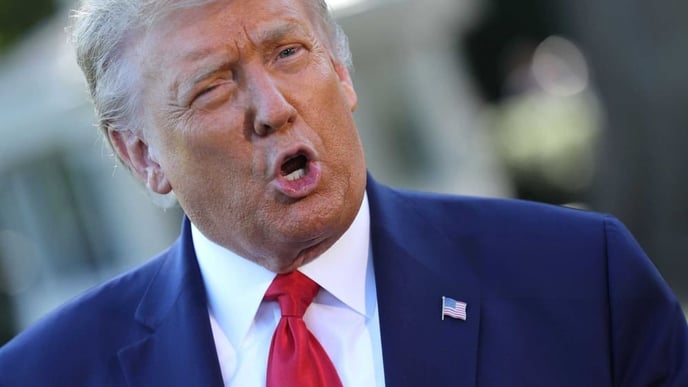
point(580, 269)
point(521, 247)
point(490, 217)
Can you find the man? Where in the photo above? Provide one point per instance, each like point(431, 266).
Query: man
point(243, 110)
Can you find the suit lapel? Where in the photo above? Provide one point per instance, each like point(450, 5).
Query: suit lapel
point(416, 263)
point(179, 351)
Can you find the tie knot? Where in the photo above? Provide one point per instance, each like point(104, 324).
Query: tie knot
point(293, 291)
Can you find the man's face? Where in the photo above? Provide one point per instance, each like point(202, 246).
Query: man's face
point(248, 119)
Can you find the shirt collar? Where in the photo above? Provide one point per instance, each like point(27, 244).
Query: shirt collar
point(235, 286)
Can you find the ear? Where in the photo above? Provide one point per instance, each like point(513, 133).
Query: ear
point(347, 84)
point(136, 154)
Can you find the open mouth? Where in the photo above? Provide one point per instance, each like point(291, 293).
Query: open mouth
point(294, 167)
point(297, 172)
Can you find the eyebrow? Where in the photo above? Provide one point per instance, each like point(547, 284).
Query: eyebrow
point(266, 36)
point(273, 34)
point(185, 82)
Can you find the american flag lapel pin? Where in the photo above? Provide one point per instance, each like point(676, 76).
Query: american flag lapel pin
point(454, 309)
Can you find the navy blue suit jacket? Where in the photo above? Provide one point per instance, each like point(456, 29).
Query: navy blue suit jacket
point(556, 297)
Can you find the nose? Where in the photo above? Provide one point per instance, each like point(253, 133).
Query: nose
point(271, 109)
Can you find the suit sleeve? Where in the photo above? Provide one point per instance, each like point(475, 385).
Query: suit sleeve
point(648, 328)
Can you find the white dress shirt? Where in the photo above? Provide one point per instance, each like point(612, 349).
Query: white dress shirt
point(343, 315)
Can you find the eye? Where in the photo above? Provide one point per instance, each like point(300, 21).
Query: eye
point(287, 52)
point(290, 58)
point(207, 90)
point(205, 93)
point(213, 95)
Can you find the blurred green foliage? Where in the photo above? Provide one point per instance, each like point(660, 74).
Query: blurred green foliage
point(17, 17)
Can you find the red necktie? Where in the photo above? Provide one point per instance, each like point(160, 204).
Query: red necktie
point(296, 357)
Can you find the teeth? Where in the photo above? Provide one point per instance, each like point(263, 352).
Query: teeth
point(297, 174)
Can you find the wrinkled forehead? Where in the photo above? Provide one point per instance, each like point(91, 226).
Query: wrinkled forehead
point(192, 25)
point(204, 32)
point(184, 22)
point(161, 12)
point(154, 12)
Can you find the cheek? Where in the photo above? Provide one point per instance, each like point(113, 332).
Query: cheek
point(200, 135)
point(211, 154)
point(327, 100)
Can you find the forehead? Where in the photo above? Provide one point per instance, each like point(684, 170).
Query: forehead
point(235, 22)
